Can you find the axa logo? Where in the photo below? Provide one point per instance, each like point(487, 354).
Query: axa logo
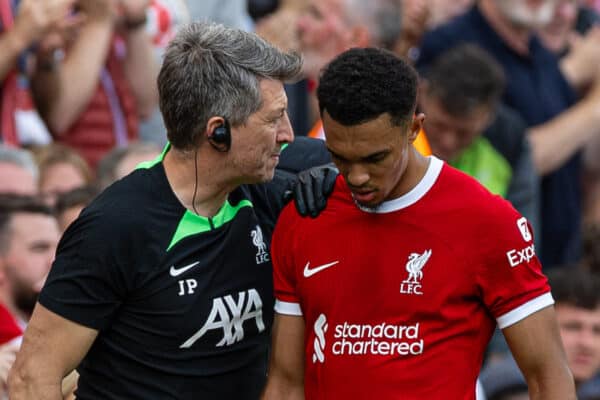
point(524, 229)
point(262, 255)
point(320, 328)
point(414, 267)
point(229, 314)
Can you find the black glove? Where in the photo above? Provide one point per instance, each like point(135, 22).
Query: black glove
point(312, 188)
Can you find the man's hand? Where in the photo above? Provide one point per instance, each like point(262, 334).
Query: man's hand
point(132, 13)
point(35, 18)
point(8, 353)
point(312, 189)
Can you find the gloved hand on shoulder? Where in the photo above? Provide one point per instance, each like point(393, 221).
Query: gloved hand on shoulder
point(312, 188)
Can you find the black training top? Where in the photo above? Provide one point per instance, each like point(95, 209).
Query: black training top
point(183, 304)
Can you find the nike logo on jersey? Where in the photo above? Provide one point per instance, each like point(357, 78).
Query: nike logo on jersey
point(308, 272)
point(178, 271)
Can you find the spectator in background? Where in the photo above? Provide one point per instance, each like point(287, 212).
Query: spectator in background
point(281, 28)
point(329, 27)
point(466, 125)
point(92, 99)
point(415, 14)
point(164, 19)
point(576, 292)
point(69, 204)
point(29, 235)
point(10, 341)
point(232, 13)
point(18, 171)
point(591, 248)
point(121, 161)
point(61, 170)
point(442, 11)
point(574, 36)
point(258, 9)
point(559, 126)
point(21, 30)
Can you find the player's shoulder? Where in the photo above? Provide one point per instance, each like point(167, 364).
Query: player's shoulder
point(338, 202)
point(488, 218)
point(466, 192)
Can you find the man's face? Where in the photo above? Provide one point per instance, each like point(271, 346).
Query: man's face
point(323, 32)
point(130, 162)
point(372, 156)
point(30, 254)
point(528, 13)
point(257, 143)
point(17, 180)
point(449, 135)
point(557, 33)
point(60, 178)
point(580, 333)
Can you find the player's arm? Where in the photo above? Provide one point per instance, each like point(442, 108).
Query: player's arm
point(536, 346)
point(286, 370)
point(52, 347)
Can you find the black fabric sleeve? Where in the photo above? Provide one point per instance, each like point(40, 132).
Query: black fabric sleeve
point(92, 272)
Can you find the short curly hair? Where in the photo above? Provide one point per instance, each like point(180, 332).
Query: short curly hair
point(361, 84)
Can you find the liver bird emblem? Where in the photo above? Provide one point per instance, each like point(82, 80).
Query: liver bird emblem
point(258, 241)
point(415, 264)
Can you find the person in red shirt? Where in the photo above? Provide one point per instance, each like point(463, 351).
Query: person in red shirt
point(420, 265)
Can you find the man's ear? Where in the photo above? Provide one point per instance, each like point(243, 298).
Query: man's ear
point(218, 133)
point(415, 126)
point(212, 124)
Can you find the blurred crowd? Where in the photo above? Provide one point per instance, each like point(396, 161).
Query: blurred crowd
point(510, 90)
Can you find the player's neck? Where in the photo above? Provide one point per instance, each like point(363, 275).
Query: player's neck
point(415, 172)
point(197, 182)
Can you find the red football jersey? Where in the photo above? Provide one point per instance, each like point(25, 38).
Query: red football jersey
point(399, 302)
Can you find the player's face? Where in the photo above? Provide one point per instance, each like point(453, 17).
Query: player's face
point(447, 134)
point(29, 256)
point(580, 334)
point(257, 143)
point(373, 156)
point(528, 13)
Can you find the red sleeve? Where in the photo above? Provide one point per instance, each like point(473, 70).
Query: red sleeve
point(284, 271)
point(510, 274)
point(9, 329)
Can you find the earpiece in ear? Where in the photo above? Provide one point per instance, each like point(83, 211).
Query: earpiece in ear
point(220, 138)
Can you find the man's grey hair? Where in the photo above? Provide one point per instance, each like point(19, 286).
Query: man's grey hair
point(381, 17)
point(211, 70)
point(19, 157)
